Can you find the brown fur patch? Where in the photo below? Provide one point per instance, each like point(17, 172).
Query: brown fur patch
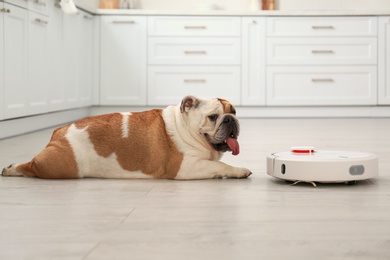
point(148, 147)
point(227, 107)
point(56, 161)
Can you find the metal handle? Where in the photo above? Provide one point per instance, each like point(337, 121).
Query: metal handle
point(87, 17)
point(40, 21)
point(322, 80)
point(194, 80)
point(5, 10)
point(322, 51)
point(316, 27)
point(128, 21)
point(39, 2)
point(195, 52)
point(195, 27)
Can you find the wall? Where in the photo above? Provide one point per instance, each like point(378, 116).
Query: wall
point(241, 5)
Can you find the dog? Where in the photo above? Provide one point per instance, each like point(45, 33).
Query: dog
point(180, 142)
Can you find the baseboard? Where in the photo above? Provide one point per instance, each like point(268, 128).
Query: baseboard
point(18, 126)
point(24, 125)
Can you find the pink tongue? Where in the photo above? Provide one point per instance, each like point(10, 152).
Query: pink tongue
point(233, 145)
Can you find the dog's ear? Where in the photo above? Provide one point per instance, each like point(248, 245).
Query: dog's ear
point(188, 102)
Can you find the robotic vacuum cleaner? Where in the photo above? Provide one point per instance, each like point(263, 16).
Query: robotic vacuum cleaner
point(305, 164)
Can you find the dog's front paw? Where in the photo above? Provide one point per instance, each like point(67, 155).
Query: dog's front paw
point(240, 173)
point(10, 171)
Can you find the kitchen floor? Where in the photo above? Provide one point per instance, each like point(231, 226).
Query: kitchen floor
point(255, 218)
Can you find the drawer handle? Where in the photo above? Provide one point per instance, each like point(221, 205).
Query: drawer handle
point(322, 27)
point(39, 2)
point(322, 51)
point(195, 52)
point(87, 17)
point(40, 21)
point(128, 21)
point(5, 10)
point(322, 80)
point(195, 81)
point(195, 27)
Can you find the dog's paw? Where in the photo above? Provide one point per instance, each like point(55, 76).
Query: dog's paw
point(10, 171)
point(240, 173)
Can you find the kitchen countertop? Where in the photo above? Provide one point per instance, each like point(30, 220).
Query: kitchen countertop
point(234, 13)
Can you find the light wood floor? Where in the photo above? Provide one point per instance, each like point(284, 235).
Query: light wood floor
point(255, 218)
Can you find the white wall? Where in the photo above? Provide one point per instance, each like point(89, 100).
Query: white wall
point(245, 4)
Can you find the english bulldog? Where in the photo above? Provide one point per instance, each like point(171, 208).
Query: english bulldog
point(180, 142)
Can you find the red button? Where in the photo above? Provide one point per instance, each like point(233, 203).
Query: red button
point(302, 149)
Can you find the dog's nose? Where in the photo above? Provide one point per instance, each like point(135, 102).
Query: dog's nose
point(227, 119)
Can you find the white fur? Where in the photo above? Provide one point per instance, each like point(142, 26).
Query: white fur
point(90, 164)
point(125, 124)
point(200, 160)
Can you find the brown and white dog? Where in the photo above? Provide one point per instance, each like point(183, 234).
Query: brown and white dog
point(179, 142)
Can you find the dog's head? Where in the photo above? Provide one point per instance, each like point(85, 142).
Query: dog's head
point(216, 121)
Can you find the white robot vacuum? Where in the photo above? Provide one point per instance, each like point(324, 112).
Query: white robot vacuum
point(305, 164)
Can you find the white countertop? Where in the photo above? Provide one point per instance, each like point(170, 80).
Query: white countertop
point(235, 13)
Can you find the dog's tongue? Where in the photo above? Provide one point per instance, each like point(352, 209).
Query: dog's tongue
point(233, 145)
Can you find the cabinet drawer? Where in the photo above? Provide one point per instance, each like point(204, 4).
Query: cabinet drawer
point(322, 26)
point(321, 85)
point(39, 6)
point(351, 51)
point(213, 51)
point(194, 26)
point(168, 85)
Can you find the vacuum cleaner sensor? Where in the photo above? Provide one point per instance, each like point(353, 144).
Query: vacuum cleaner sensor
point(305, 164)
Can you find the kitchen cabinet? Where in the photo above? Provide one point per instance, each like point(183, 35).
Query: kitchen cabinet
point(71, 52)
point(16, 94)
point(37, 64)
point(193, 55)
point(2, 11)
point(253, 61)
point(56, 68)
point(123, 60)
point(86, 58)
point(349, 45)
point(384, 61)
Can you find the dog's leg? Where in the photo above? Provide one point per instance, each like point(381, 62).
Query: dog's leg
point(11, 171)
point(205, 169)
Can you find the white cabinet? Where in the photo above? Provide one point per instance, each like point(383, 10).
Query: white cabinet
point(71, 52)
point(2, 11)
point(349, 44)
point(253, 61)
point(167, 85)
point(384, 61)
point(16, 95)
point(321, 85)
point(39, 6)
point(55, 70)
point(37, 64)
point(86, 58)
point(193, 56)
point(123, 60)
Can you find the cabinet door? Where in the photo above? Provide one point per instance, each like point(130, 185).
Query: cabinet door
point(37, 64)
point(56, 76)
point(384, 61)
point(253, 61)
point(85, 58)
point(123, 60)
point(15, 62)
point(71, 54)
point(1, 63)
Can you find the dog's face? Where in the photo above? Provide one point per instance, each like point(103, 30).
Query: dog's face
point(216, 121)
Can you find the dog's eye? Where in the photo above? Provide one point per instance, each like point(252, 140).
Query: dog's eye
point(213, 117)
